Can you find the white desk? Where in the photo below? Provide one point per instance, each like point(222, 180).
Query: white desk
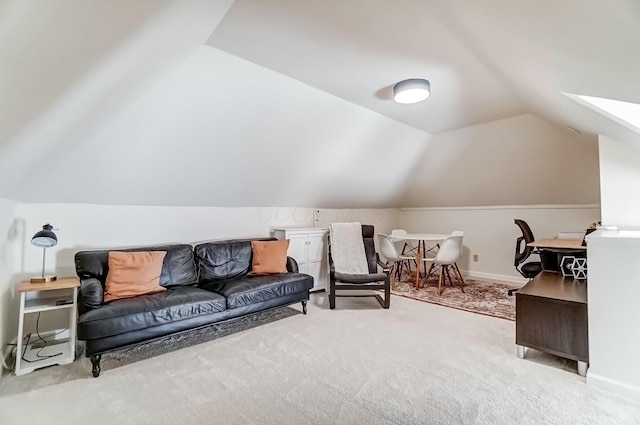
point(421, 237)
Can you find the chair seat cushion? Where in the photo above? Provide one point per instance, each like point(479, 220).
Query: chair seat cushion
point(254, 289)
point(145, 311)
point(531, 269)
point(360, 278)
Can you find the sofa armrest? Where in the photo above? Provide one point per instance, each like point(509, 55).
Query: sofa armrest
point(292, 265)
point(90, 294)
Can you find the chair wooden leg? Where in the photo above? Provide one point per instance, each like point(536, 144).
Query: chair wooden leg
point(447, 274)
point(423, 263)
point(387, 293)
point(457, 270)
point(392, 274)
point(431, 267)
point(440, 273)
point(332, 295)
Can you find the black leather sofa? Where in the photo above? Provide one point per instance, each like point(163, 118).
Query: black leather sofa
point(205, 284)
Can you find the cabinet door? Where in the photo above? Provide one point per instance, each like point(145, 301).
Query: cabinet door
point(318, 270)
point(318, 264)
point(316, 248)
point(298, 249)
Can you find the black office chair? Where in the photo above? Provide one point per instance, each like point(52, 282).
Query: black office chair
point(523, 252)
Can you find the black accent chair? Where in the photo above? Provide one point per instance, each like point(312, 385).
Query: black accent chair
point(371, 281)
point(523, 252)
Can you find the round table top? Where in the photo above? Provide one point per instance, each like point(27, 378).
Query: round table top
point(421, 237)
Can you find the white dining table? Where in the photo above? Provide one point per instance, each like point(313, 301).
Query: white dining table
point(421, 237)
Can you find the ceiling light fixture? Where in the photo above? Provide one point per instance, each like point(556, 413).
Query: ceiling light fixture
point(413, 90)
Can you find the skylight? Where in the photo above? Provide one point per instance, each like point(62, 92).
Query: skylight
point(625, 113)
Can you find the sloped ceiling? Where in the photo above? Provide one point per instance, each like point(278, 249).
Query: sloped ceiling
point(358, 50)
point(276, 102)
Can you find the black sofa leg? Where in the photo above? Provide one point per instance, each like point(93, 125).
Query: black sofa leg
point(95, 362)
point(304, 307)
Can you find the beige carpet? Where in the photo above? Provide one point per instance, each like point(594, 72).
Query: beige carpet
point(416, 363)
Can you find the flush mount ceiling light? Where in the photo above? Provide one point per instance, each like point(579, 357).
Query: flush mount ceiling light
point(413, 90)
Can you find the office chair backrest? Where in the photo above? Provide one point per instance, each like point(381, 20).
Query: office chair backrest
point(523, 251)
point(451, 249)
point(387, 248)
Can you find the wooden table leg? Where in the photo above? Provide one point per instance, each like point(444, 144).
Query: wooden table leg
point(418, 261)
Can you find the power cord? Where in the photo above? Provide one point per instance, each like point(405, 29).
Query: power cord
point(44, 344)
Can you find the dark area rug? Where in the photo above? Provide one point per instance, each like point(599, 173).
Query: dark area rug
point(189, 338)
point(80, 369)
point(480, 296)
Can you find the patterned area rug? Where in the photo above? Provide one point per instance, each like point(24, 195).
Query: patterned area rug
point(480, 296)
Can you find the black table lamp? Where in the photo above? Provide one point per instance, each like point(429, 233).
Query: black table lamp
point(44, 239)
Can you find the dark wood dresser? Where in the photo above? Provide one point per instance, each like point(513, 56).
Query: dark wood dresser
point(551, 316)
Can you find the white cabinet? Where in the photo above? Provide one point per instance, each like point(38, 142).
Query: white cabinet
point(309, 248)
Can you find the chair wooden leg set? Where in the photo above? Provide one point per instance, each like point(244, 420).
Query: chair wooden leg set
point(333, 286)
point(445, 260)
point(444, 273)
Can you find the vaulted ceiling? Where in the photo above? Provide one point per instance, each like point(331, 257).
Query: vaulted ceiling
point(283, 102)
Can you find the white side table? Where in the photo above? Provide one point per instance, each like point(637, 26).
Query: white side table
point(39, 298)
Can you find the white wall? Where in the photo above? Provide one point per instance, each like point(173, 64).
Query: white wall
point(88, 226)
point(6, 270)
point(491, 233)
point(220, 131)
point(614, 344)
point(614, 348)
point(69, 67)
point(522, 160)
point(619, 178)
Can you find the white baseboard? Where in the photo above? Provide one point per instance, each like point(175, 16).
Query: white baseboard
point(518, 281)
point(613, 386)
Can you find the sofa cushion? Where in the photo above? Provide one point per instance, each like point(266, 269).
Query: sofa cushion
point(144, 311)
point(222, 260)
point(269, 257)
point(178, 268)
point(133, 273)
point(255, 289)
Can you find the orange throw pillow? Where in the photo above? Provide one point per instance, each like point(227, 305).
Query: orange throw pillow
point(269, 257)
point(133, 273)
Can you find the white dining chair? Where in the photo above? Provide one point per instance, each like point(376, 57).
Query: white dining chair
point(390, 253)
point(403, 247)
point(446, 259)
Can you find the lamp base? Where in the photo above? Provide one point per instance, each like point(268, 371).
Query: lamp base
point(45, 279)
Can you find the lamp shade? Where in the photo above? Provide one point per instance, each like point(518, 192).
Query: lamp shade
point(45, 238)
point(413, 90)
